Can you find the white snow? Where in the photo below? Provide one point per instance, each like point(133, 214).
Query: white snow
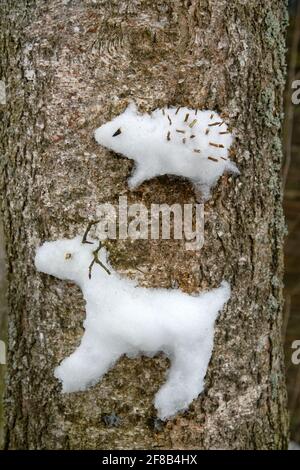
point(122, 318)
point(177, 141)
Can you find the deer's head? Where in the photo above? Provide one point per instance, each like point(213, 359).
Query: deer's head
point(69, 259)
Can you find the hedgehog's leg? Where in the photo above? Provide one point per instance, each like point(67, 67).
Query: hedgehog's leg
point(202, 192)
point(231, 167)
point(185, 379)
point(137, 178)
point(85, 366)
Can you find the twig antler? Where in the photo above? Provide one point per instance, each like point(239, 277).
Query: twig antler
point(95, 252)
point(84, 238)
point(97, 260)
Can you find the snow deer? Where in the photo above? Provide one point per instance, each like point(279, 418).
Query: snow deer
point(123, 318)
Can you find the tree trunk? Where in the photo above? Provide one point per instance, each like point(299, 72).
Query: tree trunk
point(70, 66)
point(3, 329)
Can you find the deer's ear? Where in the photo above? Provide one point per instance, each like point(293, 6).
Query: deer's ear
point(131, 108)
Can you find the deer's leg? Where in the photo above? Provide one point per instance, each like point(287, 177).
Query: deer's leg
point(85, 366)
point(185, 379)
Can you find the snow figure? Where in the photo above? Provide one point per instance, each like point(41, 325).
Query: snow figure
point(123, 318)
point(175, 141)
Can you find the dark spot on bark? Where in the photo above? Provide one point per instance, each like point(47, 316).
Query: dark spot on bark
point(111, 420)
point(156, 424)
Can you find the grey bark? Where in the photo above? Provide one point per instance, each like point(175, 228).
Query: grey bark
point(3, 326)
point(69, 67)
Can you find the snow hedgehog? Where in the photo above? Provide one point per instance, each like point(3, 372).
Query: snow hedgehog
point(171, 141)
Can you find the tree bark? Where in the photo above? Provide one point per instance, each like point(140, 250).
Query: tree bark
point(70, 66)
point(3, 328)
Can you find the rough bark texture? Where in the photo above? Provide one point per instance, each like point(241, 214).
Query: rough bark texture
point(292, 213)
point(70, 66)
point(3, 326)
